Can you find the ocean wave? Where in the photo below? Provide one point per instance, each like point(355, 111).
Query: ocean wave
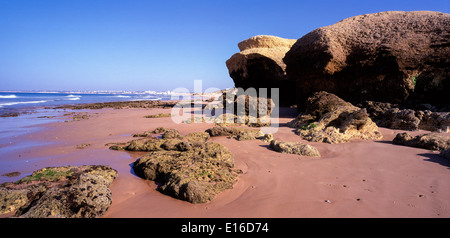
point(122, 96)
point(8, 96)
point(15, 103)
point(73, 97)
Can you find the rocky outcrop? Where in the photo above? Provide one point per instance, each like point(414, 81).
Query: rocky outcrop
point(60, 192)
point(387, 56)
point(194, 175)
point(391, 116)
point(245, 109)
point(430, 141)
point(238, 133)
point(294, 148)
point(189, 167)
point(330, 119)
point(259, 64)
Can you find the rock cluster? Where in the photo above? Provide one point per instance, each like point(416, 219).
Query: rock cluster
point(391, 116)
point(330, 119)
point(60, 192)
point(189, 168)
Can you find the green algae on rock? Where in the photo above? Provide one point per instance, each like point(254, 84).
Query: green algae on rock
point(195, 175)
point(60, 192)
point(294, 148)
point(189, 167)
point(330, 119)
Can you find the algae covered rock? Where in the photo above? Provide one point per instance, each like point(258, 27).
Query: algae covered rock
point(330, 119)
point(189, 167)
point(195, 175)
point(60, 192)
point(431, 141)
point(171, 140)
point(294, 148)
point(239, 133)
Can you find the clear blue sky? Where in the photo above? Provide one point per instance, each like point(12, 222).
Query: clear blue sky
point(152, 45)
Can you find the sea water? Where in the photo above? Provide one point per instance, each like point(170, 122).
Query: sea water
point(10, 101)
point(36, 108)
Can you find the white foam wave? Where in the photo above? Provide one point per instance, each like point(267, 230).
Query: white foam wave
point(122, 96)
point(8, 96)
point(15, 103)
point(73, 97)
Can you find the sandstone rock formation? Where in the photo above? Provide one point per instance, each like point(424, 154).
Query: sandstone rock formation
point(194, 175)
point(189, 167)
point(246, 109)
point(60, 192)
point(330, 119)
point(259, 64)
point(391, 116)
point(431, 141)
point(294, 148)
point(387, 56)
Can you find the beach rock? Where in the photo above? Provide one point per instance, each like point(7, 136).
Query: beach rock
point(330, 119)
point(364, 58)
point(158, 130)
point(259, 64)
point(434, 121)
point(431, 141)
point(239, 133)
point(171, 134)
point(195, 175)
point(294, 148)
point(12, 200)
point(247, 109)
point(187, 167)
point(391, 116)
point(171, 140)
point(122, 104)
point(60, 192)
point(11, 174)
point(405, 119)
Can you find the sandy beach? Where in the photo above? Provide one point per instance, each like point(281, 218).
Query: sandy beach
point(372, 178)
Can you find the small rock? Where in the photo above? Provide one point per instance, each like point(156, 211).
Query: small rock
point(294, 148)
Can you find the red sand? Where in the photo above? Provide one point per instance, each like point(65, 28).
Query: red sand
point(357, 179)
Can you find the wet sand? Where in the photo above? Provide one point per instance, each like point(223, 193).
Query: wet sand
point(357, 179)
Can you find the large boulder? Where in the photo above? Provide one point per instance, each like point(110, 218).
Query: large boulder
point(330, 119)
point(189, 167)
point(60, 192)
point(259, 64)
point(195, 175)
point(388, 56)
point(431, 141)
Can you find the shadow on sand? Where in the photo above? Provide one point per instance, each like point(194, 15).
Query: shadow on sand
point(435, 158)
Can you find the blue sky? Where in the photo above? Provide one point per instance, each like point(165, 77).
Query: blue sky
point(152, 45)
